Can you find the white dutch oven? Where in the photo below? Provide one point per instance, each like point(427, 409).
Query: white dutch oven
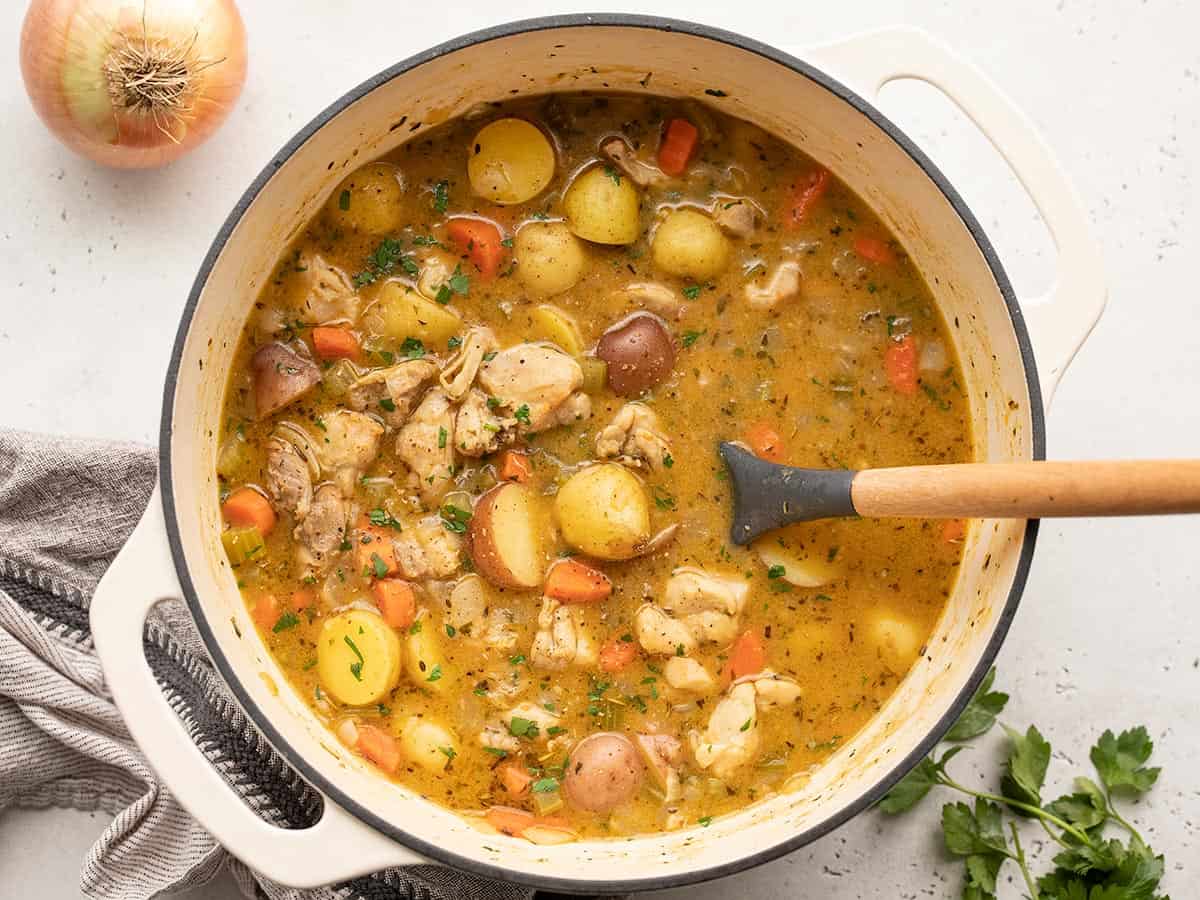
point(175, 551)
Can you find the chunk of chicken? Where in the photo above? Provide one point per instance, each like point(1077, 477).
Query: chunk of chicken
point(329, 294)
point(426, 445)
point(659, 633)
point(349, 443)
point(576, 408)
point(737, 218)
point(709, 605)
point(530, 382)
point(324, 528)
point(686, 674)
point(289, 478)
point(662, 754)
point(401, 384)
point(425, 549)
point(498, 738)
point(543, 718)
point(459, 374)
point(641, 173)
point(479, 431)
point(436, 269)
point(562, 638)
point(281, 376)
point(783, 284)
point(466, 605)
point(656, 297)
point(499, 629)
point(731, 737)
point(634, 438)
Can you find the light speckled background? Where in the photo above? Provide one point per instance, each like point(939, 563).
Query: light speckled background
point(95, 266)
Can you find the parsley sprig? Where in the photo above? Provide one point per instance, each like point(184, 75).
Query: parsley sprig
point(1088, 865)
point(384, 260)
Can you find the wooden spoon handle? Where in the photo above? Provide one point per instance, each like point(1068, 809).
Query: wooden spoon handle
point(1030, 490)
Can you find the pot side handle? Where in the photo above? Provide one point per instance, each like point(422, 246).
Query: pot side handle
point(1060, 321)
point(339, 846)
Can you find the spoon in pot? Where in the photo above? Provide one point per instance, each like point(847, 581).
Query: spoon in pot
point(769, 495)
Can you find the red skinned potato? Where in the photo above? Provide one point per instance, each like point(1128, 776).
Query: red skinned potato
point(604, 771)
point(639, 353)
point(506, 537)
point(281, 375)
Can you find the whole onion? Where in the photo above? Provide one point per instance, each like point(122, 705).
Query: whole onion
point(133, 84)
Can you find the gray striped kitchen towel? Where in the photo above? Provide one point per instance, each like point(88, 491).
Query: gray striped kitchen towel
point(66, 506)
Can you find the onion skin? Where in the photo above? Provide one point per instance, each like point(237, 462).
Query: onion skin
point(64, 48)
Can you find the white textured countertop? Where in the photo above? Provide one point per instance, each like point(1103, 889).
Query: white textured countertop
point(95, 266)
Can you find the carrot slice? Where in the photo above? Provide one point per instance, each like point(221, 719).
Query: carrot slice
point(678, 143)
point(806, 192)
point(515, 777)
point(396, 601)
point(514, 466)
point(334, 343)
point(874, 250)
point(246, 506)
point(571, 581)
point(954, 530)
point(617, 655)
point(374, 555)
point(303, 598)
point(480, 240)
point(379, 747)
point(766, 442)
point(748, 656)
point(900, 364)
point(507, 820)
point(266, 611)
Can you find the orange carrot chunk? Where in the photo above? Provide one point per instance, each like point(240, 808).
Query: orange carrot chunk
point(334, 343)
point(303, 598)
point(954, 530)
point(379, 747)
point(571, 581)
point(900, 364)
point(874, 250)
point(514, 466)
point(515, 777)
point(480, 241)
point(246, 506)
point(806, 192)
point(396, 601)
point(507, 820)
point(617, 655)
point(765, 442)
point(678, 144)
point(748, 656)
point(374, 555)
point(266, 611)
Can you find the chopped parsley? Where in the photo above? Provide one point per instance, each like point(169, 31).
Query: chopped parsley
point(435, 674)
point(344, 201)
point(384, 260)
point(613, 174)
point(442, 435)
point(441, 196)
point(668, 460)
point(455, 518)
point(522, 414)
point(454, 343)
point(496, 751)
point(776, 572)
point(378, 566)
point(690, 337)
point(516, 660)
point(387, 404)
point(451, 631)
point(523, 728)
point(692, 291)
point(415, 627)
point(412, 348)
point(383, 519)
point(450, 752)
point(705, 821)
point(288, 620)
point(544, 786)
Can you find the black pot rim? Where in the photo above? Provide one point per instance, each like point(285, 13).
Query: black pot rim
point(618, 884)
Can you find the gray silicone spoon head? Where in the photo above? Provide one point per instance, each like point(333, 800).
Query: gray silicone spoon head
point(767, 495)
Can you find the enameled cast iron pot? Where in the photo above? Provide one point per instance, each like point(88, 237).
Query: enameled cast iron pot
point(176, 552)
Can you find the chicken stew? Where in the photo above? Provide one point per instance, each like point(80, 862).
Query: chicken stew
point(469, 474)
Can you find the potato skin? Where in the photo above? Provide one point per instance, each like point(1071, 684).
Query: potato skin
point(604, 771)
point(639, 353)
point(483, 541)
point(603, 207)
point(510, 161)
point(603, 511)
point(689, 244)
point(373, 197)
point(550, 259)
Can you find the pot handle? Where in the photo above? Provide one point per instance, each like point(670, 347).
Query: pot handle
point(338, 847)
point(1060, 321)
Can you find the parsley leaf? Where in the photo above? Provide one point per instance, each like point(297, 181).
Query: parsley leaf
point(344, 201)
point(378, 566)
point(383, 519)
point(454, 518)
point(288, 620)
point(692, 291)
point(1027, 762)
point(522, 728)
point(441, 196)
point(435, 674)
point(412, 348)
point(522, 414)
point(1119, 760)
point(690, 337)
point(544, 786)
point(384, 260)
point(980, 714)
point(613, 174)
